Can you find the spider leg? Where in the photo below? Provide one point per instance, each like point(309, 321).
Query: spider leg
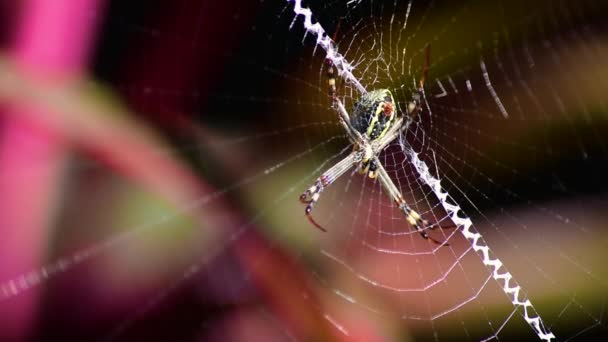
point(354, 135)
point(311, 196)
point(425, 235)
point(390, 136)
point(435, 226)
point(425, 68)
point(412, 217)
point(414, 108)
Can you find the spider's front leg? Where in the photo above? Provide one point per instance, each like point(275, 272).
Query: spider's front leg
point(353, 135)
point(311, 196)
point(390, 136)
point(412, 217)
point(368, 165)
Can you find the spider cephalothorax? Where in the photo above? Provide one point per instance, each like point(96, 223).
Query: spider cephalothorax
point(373, 125)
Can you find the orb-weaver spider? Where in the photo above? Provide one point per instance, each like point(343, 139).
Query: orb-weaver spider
point(371, 128)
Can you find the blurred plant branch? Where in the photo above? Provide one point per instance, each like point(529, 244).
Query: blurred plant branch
point(87, 116)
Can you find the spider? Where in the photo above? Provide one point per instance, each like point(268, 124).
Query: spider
point(374, 124)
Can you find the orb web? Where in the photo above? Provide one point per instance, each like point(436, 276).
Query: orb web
point(432, 162)
point(510, 148)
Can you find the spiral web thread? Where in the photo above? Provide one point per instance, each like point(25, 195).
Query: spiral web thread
point(505, 279)
point(345, 69)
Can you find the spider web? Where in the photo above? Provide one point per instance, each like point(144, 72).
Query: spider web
point(510, 148)
point(376, 44)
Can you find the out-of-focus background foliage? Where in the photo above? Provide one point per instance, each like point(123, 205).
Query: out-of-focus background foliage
point(152, 153)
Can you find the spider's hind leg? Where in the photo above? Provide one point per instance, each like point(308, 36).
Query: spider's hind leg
point(434, 226)
point(425, 235)
point(312, 195)
point(411, 216)
point(310, 198)
point(373, 170)
point(420, 224)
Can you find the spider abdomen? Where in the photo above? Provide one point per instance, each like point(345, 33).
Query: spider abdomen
point(374, 113)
